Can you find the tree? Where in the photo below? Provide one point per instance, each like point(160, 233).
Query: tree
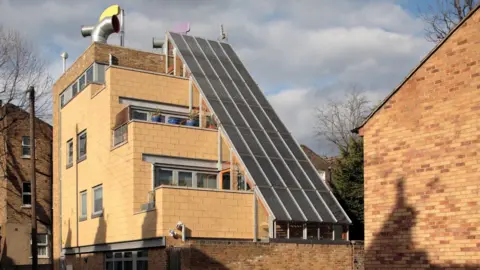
point(441, 18)
point(20, 67)
point(336, 119)
point(347, 180)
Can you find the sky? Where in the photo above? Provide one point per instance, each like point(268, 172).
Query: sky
point(301, 53)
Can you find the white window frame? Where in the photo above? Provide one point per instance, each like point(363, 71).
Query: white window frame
point(175, 179)
point(26, 145)
point(80, 158)
point(134, 259)
point(42, 245)
point(69, 157)
point(93, 200)
point(85, 207)
point(27, 194)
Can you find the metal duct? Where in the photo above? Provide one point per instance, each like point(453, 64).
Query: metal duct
point(102, 30)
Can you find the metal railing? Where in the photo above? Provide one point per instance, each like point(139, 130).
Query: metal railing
point(120, 134)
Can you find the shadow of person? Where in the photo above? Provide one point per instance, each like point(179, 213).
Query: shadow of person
point(393, 246)
point(101, 234)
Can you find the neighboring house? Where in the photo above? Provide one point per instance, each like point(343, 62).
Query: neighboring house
point(15, 192)
point(324, 165)
point(422, 174)
point(130, 165)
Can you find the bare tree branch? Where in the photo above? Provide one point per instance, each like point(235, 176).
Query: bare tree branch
point(441, 18)
point(336, 119)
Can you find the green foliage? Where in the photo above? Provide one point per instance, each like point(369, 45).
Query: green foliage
point(347, 179)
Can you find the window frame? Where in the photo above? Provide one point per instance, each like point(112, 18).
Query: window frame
point(29, 146)
point(42, 245)
point(69, 157)
point(175, 176)
point(100, 212)
point(26, 194)
point(83, 217)
point(134, 258)
point(79, 156)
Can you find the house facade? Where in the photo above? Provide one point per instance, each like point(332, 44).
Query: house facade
point(421, 149)
point(156, 149)
point(15, 189)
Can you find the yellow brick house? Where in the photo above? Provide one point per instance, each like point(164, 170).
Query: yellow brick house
point(154, 149)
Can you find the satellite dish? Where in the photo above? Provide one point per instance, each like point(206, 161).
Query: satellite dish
point(181, 28)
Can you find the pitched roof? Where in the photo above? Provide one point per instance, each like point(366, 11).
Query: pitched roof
point(322, 163)
point(423, 61)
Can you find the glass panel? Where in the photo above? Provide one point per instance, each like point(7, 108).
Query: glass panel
point(42, 251)
point(118, 255)
point(298, 173)
point(109, 265)
point(275, 120)
point(25, 150)
point(319, 206)
point(302, 201)
point(26, 199)
point(142, 265)
point(262, 118)
point(142, 253)
point(297, 152)
point(26, 188)
point(206, 180)
point(90, 74)
point(234, 114)
point(266, 144)
point(62, 100)
point(100, 73)
point(98, 199)
point(128, 265)
point(313, 175)
point(74, 88)
point(236, 139)
point(252, 143)
point(283, 171)
point(163, 177)
point(139, 115)
point(288, 202)
point(26, 140)
point(281, 230)
point(226, 181)
point(185, 179)
point(118, 265)
point(277, 141)
point(81, 82)
point(82, 151)
point(42, 239)
point(296, 230)
point(312, 230)
point(273, 203)
point(242, 183)
point(70, 152)
point(84, 204)
point(254, 170)
point(326, 232)
point(269, 171)
point(109, 255)
point(334, 206)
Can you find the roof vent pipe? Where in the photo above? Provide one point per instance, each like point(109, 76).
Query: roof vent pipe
point(102, 30)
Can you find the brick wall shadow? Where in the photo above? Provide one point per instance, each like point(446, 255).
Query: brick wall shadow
point(393, 246)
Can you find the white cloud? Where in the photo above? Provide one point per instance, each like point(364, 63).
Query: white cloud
point(301, 51)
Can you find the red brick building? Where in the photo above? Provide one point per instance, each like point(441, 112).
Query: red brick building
point(15, 192)
point(422, 161)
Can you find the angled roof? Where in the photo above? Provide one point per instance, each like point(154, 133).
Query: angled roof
point(285, 179)
point(322, 163)
point(425, 59)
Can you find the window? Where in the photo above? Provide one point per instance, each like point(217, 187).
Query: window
point(74, 89)
point(242, 182)
point(326, 231)
point(42, 245)
point(127, 260)
point(97, 200)
point(62, 101)
point(295, 230)
point(82, 146)
point(83, 205)
point(89, 75)
point(70, 152)
point(26, 194)
point(185, 179)
point(81, 83)
point(25, 146)
point(140, 115)
point(206, 180)
point(163, 177)
point(312, 230)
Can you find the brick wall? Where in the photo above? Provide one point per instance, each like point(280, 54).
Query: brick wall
point(422, 163)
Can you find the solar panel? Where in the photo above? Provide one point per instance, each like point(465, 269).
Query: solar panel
point(286, 180)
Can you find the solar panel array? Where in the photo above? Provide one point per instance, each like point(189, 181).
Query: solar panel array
point(285, 178)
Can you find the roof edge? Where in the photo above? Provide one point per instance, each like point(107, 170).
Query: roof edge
point(414, 70)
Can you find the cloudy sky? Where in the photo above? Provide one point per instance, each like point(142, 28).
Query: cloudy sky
point(302, 53)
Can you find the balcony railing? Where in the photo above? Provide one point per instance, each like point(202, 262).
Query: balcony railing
point(120, 134)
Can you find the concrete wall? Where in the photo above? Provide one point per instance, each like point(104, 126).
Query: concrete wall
point(422, 163)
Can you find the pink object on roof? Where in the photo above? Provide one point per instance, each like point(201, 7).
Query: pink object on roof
point(181, 28)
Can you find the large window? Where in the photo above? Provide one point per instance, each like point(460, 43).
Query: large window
point(184, 178)
point(82, 146)
point(97, 200)
point(127, 260)
point(95, 73)
point(159, 117)
point(26, 147)
point(83, 205)
point(26, 194)
point(70, 152)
